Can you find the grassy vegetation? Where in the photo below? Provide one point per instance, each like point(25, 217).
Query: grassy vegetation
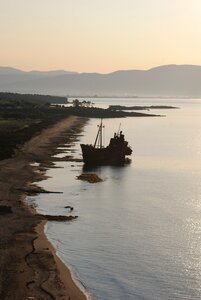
point(14, 124)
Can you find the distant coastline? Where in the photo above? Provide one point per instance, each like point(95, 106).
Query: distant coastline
point(130, 97)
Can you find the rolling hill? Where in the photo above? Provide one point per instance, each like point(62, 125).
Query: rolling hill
point(164, 81)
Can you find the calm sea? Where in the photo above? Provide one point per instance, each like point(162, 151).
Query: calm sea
point(138, 235)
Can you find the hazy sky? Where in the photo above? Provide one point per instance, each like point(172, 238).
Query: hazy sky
point(99, 35)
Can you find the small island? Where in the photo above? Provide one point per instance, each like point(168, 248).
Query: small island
point(139, 107)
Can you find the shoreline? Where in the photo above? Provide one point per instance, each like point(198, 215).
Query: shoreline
point(75, 292)
point(30, 268)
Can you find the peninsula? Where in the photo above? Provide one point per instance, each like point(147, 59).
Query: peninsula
point(31, 131)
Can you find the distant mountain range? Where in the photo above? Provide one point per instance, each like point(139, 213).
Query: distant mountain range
point(164, 81)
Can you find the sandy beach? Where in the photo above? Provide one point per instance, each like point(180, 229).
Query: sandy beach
point(30, 268)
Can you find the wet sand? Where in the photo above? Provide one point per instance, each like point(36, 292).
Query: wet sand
point(30, 268)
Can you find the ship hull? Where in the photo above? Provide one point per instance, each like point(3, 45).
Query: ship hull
point(102, 156)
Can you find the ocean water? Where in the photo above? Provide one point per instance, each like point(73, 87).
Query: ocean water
point(138, 235)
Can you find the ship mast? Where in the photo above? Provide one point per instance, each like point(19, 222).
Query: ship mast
point(99, 136)
point(119, 129)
